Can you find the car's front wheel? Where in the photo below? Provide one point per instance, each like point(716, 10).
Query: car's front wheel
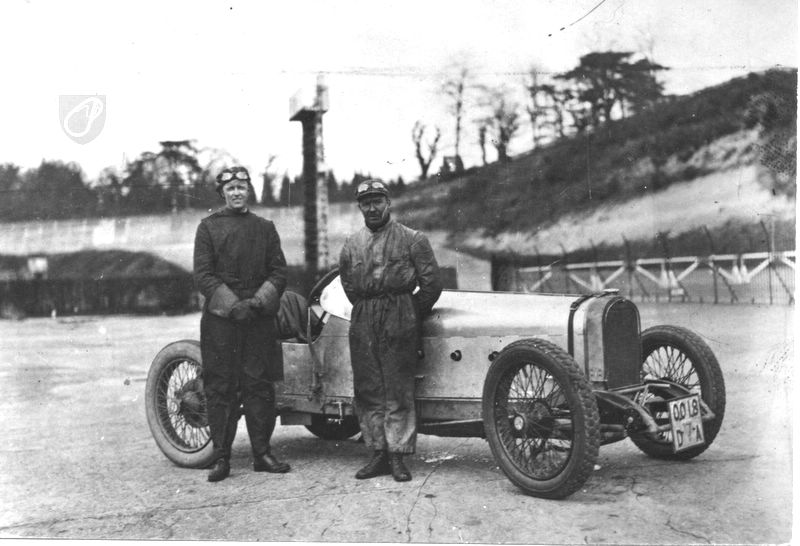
point(540, 418)
point(680, 356)
point(175, 405)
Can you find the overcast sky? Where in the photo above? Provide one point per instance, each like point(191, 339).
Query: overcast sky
point(222, 72)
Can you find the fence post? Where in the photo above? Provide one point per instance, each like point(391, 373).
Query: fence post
point(711, 263)
point(628, 266)
point(596, 270)
point(515, 284)
point(661, 237)
point(493, 271)
point(564, 263)
point(539, 275)
point(713, 267)
point(769, 258)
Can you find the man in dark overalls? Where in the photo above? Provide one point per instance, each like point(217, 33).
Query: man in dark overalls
point(380, 267)
point(240, 269)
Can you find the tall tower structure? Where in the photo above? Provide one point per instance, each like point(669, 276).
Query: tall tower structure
point(315, 187)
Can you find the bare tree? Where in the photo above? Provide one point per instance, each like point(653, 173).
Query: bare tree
point(266, 190)
point(417, 135)
point(504, 119)
point(455, 87)
point(483, 128)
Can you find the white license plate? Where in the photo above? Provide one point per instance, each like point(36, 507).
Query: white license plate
point(687, 423)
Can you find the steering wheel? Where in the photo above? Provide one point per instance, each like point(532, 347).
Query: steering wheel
point(314, 300)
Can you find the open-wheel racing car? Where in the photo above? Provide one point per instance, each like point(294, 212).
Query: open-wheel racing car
point(545, 379)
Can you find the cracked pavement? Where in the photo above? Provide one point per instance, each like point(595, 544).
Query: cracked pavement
point(79, 461)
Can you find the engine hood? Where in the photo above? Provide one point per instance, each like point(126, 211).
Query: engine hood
point(460, 313)
point(463, 313)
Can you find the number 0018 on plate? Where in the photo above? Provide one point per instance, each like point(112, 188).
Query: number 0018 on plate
point(687, 423)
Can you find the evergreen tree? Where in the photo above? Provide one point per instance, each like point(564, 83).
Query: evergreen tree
point(178, 170)
point(333, 187)
point(10, 186)
point(610, 82)
point(55, 190)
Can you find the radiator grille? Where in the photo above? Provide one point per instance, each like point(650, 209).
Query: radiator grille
point(621, 343)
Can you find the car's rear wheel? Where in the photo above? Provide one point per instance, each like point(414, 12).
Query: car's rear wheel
point(680, 356)
point(540, 418)
point(323, 426)
point(175, 405)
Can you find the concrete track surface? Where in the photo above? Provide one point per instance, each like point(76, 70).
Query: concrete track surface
point(78, 460)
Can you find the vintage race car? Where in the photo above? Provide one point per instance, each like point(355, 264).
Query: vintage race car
point(545, 379)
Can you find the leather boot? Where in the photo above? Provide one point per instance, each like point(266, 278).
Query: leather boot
point(268, 463)
point(220, 470)
point(377, 466)
point(399, 471)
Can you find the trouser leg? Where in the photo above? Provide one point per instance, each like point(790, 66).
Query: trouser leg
point(368, 385)
point(219, 353)
point(400, 421)
point(258, 393)
point(398, 362)
point(260, 416)
point(232, 424)
point(384, 402)
point(222, 428)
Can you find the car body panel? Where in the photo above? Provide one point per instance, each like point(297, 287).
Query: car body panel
point(471, 314)
point(461, 337)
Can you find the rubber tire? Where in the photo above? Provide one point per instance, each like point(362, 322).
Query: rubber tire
point(712, 386)
point(322, 428)
point(585, 417)
point(179, 350)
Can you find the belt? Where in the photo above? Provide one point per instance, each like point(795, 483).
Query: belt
point(385, 294)
point(249, 284)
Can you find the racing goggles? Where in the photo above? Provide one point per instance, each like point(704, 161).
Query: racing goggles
point(367, 185)
point(374, 187)
point(227, 176)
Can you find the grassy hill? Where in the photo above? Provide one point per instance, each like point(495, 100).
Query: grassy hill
point(720, 161)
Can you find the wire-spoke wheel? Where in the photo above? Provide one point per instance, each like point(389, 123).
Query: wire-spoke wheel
point(175, 404)
point(678, 355)
point(540, 418)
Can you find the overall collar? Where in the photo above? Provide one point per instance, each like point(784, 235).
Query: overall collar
point(382, 228)
point(227, 211)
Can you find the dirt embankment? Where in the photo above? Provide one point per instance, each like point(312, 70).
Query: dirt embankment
point(720, 162)
point(722, 198)
point(734, 195)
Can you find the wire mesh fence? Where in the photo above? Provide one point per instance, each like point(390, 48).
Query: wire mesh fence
point(757, 277)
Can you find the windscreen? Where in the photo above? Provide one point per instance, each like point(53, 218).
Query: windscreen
point(334, 301)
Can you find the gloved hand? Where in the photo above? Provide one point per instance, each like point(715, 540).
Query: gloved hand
point(242, 311)
point(254, 305)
